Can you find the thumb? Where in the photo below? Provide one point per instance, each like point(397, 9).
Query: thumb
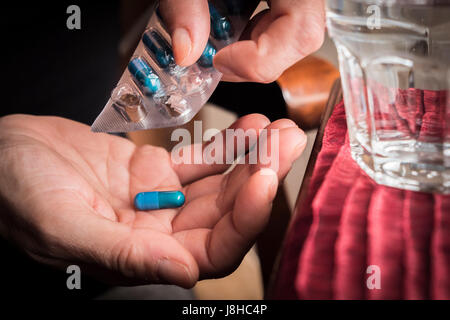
point(110, 250)
point(188, 24)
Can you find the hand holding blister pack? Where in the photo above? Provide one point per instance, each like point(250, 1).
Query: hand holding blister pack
point(154, 92)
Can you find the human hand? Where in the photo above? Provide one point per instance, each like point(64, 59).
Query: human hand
point(67, 198)
point(274, 40)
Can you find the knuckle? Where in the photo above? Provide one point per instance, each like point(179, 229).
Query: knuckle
point(262, 74)
point(311, 31)
point(124, 258)
point(257, 68)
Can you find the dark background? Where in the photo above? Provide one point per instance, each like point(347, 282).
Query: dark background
point(55, 71)
point(50, 70)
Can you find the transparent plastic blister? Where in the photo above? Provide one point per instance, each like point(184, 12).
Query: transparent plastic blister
point(154, 92)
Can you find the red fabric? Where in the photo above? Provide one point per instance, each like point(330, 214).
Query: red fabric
point(348, 222)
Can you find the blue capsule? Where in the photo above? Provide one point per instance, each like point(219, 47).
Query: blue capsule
point(206, 59)
point(144, 76)
point(241, 8)
point(220, 25)
point(159, 48)
point(158, 200)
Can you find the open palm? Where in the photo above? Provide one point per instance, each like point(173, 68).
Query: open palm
point(69, 198)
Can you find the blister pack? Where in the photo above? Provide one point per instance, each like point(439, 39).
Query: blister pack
point(154, 92)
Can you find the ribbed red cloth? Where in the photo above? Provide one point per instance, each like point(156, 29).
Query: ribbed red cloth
point(348, 223)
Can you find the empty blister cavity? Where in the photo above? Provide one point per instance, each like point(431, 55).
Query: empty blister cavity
point(221, 27)
point(173, 102)
point(176, 105)
point(128, 103)
point(192, 80)
point(144, 76)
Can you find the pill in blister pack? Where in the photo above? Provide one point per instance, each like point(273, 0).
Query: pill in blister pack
point(154, 92)
point(158, 48)
point(144, 76)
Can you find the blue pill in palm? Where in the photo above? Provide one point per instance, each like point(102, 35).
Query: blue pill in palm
point(144, 76)
point(206, 59)
point(158, 200)
point(159, 48)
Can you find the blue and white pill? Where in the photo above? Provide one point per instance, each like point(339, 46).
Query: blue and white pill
point(207, 57)
point(144, 76)
point(156, 200)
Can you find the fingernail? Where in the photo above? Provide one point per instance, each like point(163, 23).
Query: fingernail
point(267, 172)
point(301, 145)
point(173, 272)
point(273, 187)
point(182, 45)
point(223, 69)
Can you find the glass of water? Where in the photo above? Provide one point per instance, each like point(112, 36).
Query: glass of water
point(394, 60)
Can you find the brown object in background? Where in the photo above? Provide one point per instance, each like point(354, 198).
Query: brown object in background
point(306, 87)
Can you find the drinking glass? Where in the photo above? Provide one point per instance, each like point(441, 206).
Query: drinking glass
point(394, 60)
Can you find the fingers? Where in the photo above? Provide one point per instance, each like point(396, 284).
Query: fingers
point(250, 191)
point(283, 144)
point(202, 212)
point(188, 24)
point(232, 237)
point(188, 171)
point(215, 196)
point(282, 36)
point(150, 169)
point(225, 245)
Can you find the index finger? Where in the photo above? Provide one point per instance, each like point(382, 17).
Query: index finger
point(188, 25)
